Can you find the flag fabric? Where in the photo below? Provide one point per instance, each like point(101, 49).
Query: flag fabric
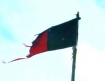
point(56, 37)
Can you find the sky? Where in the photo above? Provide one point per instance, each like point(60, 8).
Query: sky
point(20, 20)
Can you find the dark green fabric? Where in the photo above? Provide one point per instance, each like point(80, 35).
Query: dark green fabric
point(63, 35)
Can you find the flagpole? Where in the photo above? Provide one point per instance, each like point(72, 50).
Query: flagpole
point(74, 63)
point(74, 54)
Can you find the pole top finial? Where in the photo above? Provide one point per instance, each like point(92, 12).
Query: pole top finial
point(77, 16)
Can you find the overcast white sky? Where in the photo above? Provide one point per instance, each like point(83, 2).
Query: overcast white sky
point(20, 20)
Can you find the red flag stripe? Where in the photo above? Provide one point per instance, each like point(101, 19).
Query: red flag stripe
point(39, 45)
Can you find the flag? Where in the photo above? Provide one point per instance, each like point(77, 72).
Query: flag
point(56, 37)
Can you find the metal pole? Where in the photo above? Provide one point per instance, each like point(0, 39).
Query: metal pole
point(75, 52)
point(74, 63)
